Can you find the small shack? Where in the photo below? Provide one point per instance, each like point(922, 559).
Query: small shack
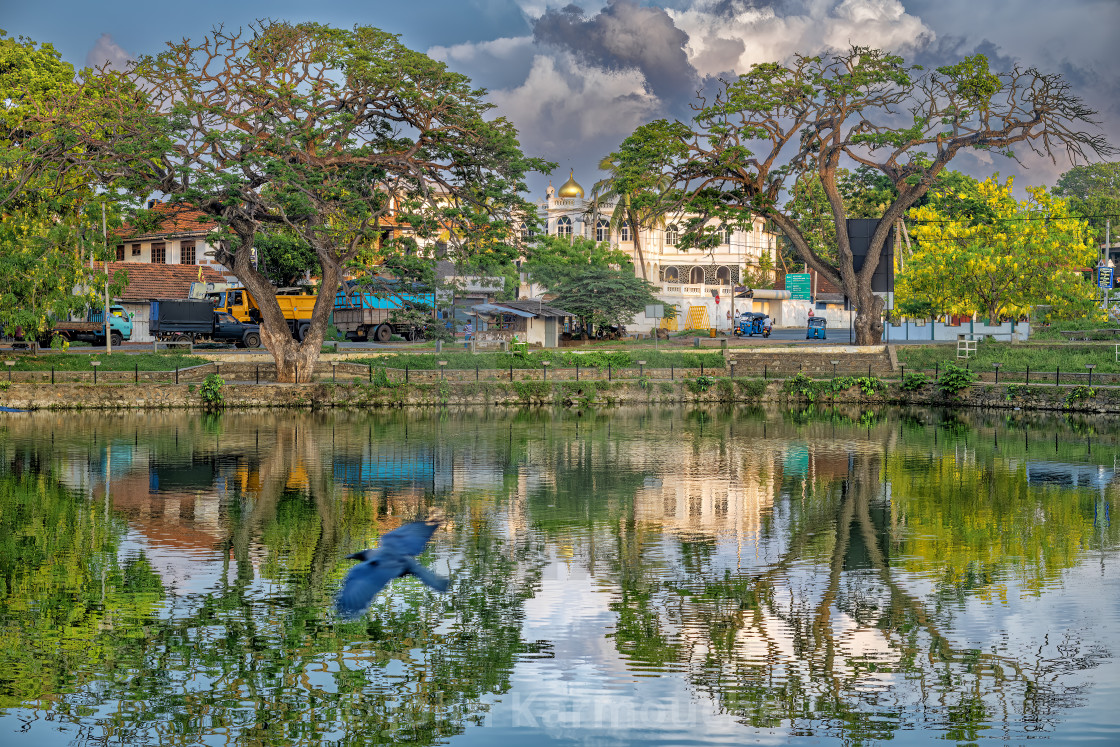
point(529, 320)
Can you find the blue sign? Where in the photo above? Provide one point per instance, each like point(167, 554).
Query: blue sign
point(1104, 277)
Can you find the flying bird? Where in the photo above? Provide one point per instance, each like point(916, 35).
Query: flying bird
point(393, 558)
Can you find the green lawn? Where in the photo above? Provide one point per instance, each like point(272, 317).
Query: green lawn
point(168, 361)
point(1041, 357)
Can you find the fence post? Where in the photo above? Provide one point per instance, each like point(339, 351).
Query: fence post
point(176, 374)
point(406, 374)
point(136, 374)
point(608, 372)
point(258, 373)
point(904, 373)
point(764, 372)
point(52, 374)
point(672, 372)
point(1057, 375)
point(936, 371)
point(511, 372)
point(869, 370)
point(370, 372)
point(476, 372)
point(577, 370)
point(701, 368)
point(1028, 374)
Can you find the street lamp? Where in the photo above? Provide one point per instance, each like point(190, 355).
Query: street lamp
point(1090, 366)
point(441, 365)
point(997, 365)
point(9, 364)
point(642, 366)
point(834, 368)
point(544, 367)
point(95, 364)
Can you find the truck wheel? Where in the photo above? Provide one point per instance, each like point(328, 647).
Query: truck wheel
point(117, 339)
point(303, 331)
point(361, 334)
point(384, 333)
point(183, 338)
point(252, 340)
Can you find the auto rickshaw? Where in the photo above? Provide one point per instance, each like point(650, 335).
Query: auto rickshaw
point(817, 328)
point(752, 323)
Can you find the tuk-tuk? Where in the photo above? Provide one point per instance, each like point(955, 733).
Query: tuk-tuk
point(752, 323)
point(817, 329)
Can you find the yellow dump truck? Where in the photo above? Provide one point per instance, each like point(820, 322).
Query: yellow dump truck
point(296, 307)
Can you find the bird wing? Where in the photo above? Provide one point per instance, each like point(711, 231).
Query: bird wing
point(409, 539)
point(439, 583)
point(363, 582)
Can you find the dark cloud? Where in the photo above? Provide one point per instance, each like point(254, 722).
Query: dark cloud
point(624, 36)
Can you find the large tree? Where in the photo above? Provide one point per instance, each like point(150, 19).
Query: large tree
point(335, 136)
point(778, 123)
point(1094, 193)
point(1005, 257)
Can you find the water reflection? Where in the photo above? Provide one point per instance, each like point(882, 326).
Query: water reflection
point(647, 575)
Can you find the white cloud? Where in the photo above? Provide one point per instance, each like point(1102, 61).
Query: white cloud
point(105, 50)
point(562, 105)
point(714, 40)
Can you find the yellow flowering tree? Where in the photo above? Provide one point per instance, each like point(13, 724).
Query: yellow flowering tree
point(1000, 256)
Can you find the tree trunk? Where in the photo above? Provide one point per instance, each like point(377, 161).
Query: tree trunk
point(637, 243)
point(295, 361)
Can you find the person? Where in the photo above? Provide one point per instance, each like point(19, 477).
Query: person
point(767, 324)
point(469, 329)
point(811, 314)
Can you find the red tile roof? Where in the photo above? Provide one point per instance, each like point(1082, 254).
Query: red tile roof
point(147, 281)
point(174, 220)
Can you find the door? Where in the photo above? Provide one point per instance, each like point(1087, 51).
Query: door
point(551, 333)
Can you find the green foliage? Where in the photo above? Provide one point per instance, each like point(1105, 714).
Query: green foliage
point(1079, 393)
point(1093, 191)
point(381, 379)
point(285, 258)
point(443, 390)
point(700, 384)
point(618, 359)
point(1015, 391)
point(211, 391)
point(602, 296)
point(955, 379)
point(913, 381)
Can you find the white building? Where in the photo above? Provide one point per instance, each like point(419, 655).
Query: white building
point(689, 279)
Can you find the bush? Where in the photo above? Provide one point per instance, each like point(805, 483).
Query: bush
point(955, 379)
point(211, 391)
point(913, 382)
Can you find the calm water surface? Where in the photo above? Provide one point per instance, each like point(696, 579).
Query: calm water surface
point(653, 576)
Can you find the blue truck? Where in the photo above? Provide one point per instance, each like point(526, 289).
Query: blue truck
point(92, 328)
point(363, 315)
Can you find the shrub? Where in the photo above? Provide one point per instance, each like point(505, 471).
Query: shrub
point(1079, 393)
point(955, 379)
point(211, 391)
point(913, 382)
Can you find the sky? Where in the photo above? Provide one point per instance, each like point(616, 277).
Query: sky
point(576, 79)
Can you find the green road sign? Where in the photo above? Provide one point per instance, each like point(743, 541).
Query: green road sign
point(797, 283)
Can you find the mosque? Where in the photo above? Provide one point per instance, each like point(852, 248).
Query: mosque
point(700, 283)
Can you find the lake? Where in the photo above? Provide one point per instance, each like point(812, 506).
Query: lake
point(670, 576)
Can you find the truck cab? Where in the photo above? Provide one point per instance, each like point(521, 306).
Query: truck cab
point(120, 322)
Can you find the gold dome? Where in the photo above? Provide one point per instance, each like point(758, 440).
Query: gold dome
point(571, 187)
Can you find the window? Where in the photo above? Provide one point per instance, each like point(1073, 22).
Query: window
point(523, 231)
point(564, 226)
point(725, 234)
point(672, 236)
point(120, 252)
point(186, 253)
point(602, 230)
point(671, 275)
point(723, 276)
point(624, 233)
point(159, 254)
point(135, 250)
point(696, 277)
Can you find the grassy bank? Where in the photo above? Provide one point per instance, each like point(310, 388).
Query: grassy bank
point(1016, 359)
point(167, 361)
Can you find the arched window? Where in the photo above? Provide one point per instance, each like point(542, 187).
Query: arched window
point(602, 230)
point(624, 233)
point(696, 277)
point(523, 231)
point(564, 226)
point(723, 276)
point(672, 236)
point(671, 275)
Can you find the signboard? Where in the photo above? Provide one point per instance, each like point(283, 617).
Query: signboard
point(655, 311)
point(1104, 277)
point(797, 283)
